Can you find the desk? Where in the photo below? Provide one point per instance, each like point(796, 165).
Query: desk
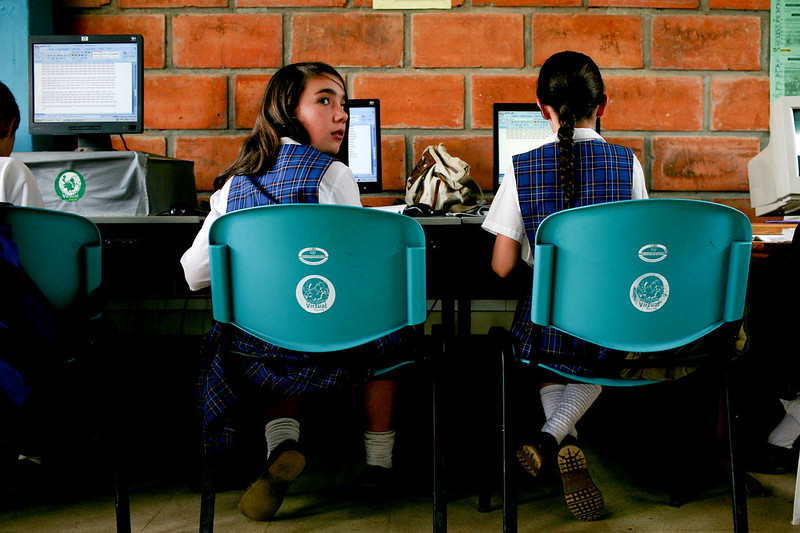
point(141, 259)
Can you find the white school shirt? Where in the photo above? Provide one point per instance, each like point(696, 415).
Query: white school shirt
point(505, 216)
point(338, 186)
point(17, 184)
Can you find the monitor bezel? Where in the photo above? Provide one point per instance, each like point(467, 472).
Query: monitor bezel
point(365, 186)
point(497, 108)
point(87, 129)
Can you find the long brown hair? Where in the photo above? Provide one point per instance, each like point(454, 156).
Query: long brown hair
point(276, 119)
point(570, 83)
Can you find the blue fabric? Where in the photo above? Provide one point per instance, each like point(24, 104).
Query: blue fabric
point(604, 174)
point(294, 179)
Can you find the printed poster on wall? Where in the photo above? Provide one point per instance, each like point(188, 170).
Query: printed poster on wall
point(784, 57)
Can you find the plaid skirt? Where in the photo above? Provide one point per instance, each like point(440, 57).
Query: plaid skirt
point(555, 348)
point(265, 367)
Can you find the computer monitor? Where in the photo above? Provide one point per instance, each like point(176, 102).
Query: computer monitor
point(86, 86)
point(517, 128)
point(773, 173)
point(361, 149)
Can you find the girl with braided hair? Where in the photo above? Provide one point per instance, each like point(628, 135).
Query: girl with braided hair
point(573, 168)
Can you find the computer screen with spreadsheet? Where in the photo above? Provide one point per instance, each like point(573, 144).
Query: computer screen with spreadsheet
point(518, 128)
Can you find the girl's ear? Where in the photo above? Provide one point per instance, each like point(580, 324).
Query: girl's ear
point(602, 107)
point(545, 112)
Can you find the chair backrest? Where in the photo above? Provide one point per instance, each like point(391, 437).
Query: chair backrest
point(317, 278)
point(641, 275)
point(60, 252)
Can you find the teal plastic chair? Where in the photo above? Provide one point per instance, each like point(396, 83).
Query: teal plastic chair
point(314, 278)
point(61, 254)
point(639, 276)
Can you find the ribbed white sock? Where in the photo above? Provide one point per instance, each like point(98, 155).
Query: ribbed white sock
point(279, 430)
point(576, 400)
point(551, 397)
point(378, 446)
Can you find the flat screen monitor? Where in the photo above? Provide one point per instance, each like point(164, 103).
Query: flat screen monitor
point(86, 86)
point(773, 174)
point(361, 150)
point(517, 128)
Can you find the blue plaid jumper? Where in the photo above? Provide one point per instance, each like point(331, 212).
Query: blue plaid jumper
point(294, 178)
point(604, 174)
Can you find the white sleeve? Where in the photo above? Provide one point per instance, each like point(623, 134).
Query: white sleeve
point(505, 216)
point(18, 185)
point(639, 191)
point(195, 263)
point(338, 186)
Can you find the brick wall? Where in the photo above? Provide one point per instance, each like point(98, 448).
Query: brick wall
point(687, 79)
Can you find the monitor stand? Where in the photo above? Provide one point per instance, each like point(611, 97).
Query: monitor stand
point(95, 142)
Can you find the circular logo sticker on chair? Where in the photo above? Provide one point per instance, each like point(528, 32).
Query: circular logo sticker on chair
point(649, 292)
point(315, 294)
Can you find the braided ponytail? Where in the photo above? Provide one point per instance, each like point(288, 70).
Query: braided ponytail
point(570, 83)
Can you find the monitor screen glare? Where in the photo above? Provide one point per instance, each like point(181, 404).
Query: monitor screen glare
point(796, 113)
point(519, 131)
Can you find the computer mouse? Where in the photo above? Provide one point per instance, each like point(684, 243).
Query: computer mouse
point(180, 209)
point(418, 210)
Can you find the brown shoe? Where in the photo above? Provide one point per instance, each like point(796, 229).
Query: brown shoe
point(583, 498)
point(264, 497)
point(534, 456)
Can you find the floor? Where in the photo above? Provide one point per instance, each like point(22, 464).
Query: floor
point(634, 451)
point(324, 500)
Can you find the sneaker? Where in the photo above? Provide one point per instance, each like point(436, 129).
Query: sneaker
point(264, 497)
point(533, 457)
point(377, 477)
point(584, 499)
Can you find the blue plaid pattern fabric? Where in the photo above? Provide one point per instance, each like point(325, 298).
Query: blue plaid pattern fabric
point(293, 179)
point(605, 174)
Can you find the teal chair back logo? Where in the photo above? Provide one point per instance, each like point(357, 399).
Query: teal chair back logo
point(315, 294)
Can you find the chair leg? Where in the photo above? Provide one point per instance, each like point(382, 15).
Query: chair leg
point(738, 489)
point(796, 510)
point(439, 492)
point(121, 499)
point(509, 490)
point(207, 495)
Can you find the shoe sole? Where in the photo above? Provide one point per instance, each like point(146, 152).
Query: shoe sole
point(530, 458)
point(584, 499)
point(264, 497)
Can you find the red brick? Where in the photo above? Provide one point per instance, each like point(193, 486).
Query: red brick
point(657, 4)
point(248, 91)
point(740, 104)
point(613, 41)
point(477, 151)
point(467, 40)
point(171, 3)
point(634, 143)
point(415, 100)
point(291, 3)
point(756, 5)
point(185, 102)
point(227, 40)
point(654, 103)
point(141, 143)
point(487, 89)
point(709, 42)
point(352, 39)
point(523, 3)
point(211, 156)
point(150, 27)
point(702, 163)
point(393, 161)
